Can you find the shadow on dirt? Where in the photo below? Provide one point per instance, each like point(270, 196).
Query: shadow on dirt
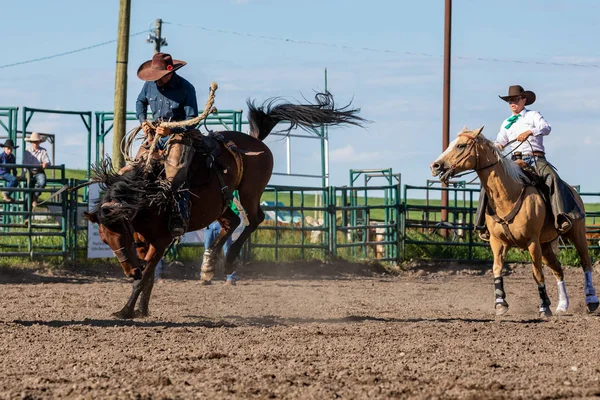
point(234, 321)
point(111, 323)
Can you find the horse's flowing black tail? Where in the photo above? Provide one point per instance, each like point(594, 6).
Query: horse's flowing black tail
point(262, 119)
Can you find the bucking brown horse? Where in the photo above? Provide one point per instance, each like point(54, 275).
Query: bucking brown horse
point(130, 211)
point(520, 218)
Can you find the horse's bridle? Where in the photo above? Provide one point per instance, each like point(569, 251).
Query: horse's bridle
point(474, 140)
point(121, 252)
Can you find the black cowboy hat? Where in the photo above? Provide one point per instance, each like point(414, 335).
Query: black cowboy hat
point(9, 143)
point(160, 65)
point(518, 91)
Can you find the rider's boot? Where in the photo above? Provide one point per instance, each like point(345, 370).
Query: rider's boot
point(484, 234)
point(179, 215)
point(177, 224)
point(564, 223)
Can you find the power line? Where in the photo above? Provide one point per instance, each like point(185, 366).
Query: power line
point(68, 52)
point(374, 50)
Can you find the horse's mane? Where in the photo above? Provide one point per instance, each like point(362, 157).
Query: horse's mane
point(511, 168)
point(133, 191)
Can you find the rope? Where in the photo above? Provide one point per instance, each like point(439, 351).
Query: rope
point(208, 109)
point(147, 167)
point(127, 144)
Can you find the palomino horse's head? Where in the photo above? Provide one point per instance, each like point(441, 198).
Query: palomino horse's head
point(461, 155)
point(118, 233)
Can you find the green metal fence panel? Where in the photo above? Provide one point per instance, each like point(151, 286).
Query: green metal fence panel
point(295, 226)
point(86, 118)
point(422, 225)
point(366, 227)
point(8, 122)
point(32, 233)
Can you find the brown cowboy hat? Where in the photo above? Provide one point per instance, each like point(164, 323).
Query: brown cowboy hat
point(35, 137)
point(9, 143)
point(518, 91)
point(160, 65)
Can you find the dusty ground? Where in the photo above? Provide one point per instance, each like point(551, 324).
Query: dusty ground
point(416, 335)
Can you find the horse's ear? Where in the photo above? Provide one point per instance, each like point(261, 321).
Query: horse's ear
point(92, 217)
point(477, 132)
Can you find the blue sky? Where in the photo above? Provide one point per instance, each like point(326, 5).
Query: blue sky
point(400, 89)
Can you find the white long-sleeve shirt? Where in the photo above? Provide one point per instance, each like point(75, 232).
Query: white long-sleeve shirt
point(529, 120)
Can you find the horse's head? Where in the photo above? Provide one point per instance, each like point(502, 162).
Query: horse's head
point(116, 231)
point(461, 155)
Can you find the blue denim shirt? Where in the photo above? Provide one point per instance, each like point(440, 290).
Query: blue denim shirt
point(175, 101)
point(6, 159)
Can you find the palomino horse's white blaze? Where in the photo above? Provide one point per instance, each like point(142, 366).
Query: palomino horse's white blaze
point(449, 148)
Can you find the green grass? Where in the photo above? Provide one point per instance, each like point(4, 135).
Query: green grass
point(76, 174)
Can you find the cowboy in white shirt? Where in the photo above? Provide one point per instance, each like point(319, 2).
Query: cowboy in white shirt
point(525, 130)
point(36, 155)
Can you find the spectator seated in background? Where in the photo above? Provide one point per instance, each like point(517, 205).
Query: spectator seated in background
point(36, 155)
point(6, 173)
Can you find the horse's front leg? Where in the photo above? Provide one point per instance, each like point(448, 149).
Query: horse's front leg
point(535, 250)
point(127, 311)
point(152, 258)
point(499, 249)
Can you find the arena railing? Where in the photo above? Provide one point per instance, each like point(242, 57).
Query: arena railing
point(30, 233)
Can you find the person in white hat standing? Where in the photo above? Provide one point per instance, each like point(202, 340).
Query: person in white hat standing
point(38, 156)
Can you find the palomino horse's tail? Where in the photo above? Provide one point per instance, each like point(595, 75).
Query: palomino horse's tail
point(262, 119)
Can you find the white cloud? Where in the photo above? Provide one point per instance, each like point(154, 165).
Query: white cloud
point(349, 154)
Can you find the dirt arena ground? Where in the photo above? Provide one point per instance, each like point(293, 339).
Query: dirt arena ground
point(424, 333)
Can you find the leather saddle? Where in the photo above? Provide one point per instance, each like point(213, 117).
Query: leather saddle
point(536, 180)
point(207, 151)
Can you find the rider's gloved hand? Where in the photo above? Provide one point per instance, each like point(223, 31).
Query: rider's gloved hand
point(147, 128)
point(163, 131)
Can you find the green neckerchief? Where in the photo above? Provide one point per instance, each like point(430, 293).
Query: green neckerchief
point(512, 120)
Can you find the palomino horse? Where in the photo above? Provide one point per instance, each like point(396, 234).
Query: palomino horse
point(129, 211)
point(526, 222)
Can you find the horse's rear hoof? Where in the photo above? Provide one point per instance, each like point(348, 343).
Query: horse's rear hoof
point(591, 307)
point(205, 283)
point(141, 313)
point(123, 314)
point(501, 309)
point(545, 313)
point(207, 276)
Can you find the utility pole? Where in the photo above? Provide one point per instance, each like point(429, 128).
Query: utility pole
point(120, 113)
point(446, 101)
point(157, 38)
